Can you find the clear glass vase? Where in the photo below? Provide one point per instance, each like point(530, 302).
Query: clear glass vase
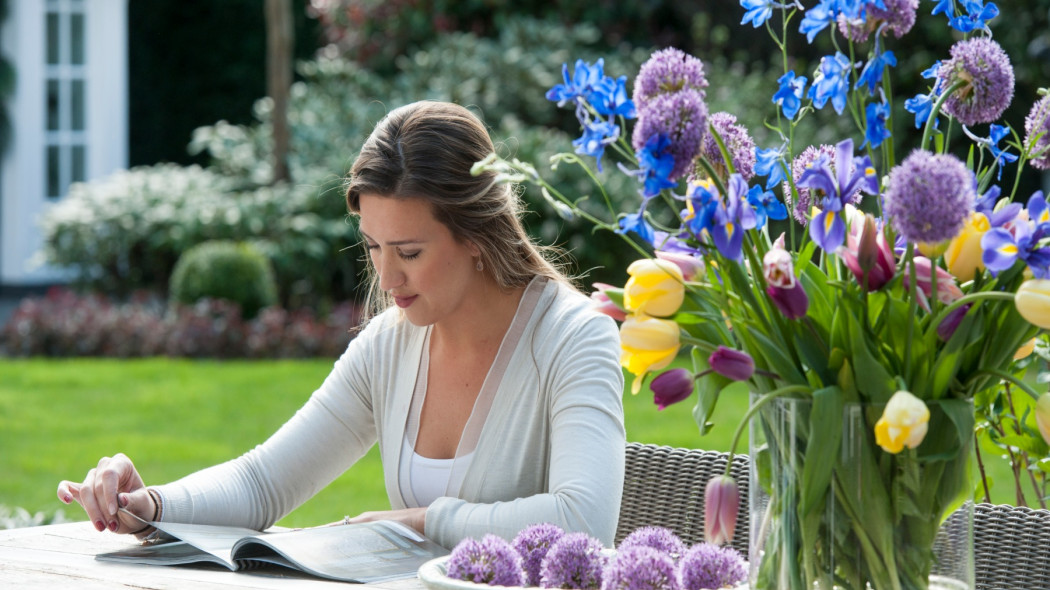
point(829, 509)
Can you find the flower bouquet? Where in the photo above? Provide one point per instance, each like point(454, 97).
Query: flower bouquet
point(898, 291)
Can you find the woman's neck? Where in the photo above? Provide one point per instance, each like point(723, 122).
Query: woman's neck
point(482, 321)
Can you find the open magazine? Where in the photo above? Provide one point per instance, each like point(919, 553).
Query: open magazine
point(365, 552)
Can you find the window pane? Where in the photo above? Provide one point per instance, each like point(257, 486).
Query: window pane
point(52, 38)
point(77, 105)
point(79, 164)
point(76, 38)
point(53, 123)
point(53, 172)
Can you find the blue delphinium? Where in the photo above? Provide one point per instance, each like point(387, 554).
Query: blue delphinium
point(492, 561)
point(976, 18)
point(831, 82)
point(789, 95)
point(875, 115)
point(770, 162)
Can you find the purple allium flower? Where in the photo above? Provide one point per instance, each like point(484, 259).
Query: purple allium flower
point(492, 561)
point(803, 161)
point(929, 197)
point(737, 141)
point(573, 561)
point(709, 566)
point(532, 543)
point(988, 79)
point(640, 568)
point(665, 72)
point(1038, 122)
point(659, 538)
point(682, 117)
point(898, 17)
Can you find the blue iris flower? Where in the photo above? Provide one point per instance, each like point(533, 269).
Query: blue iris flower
point(1021, 240)
point(769, 162)
point(876, 115)
point(818, 18)
point(831, 82)
point(834, 188)
point(766, 205)
point(596, 135)
point(758, 12)
point(1002, 158)
point(872, 72)
point(789, 95)
point(977, 16)
point(733, 216)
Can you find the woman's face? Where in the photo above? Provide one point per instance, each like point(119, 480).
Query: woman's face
point(429, 273)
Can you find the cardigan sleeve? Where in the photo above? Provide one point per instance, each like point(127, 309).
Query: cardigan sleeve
point(585, 468)
point(326, 436)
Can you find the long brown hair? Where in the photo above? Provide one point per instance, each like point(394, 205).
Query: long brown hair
point(425, 150)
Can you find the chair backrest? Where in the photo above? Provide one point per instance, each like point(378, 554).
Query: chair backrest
point(664, 486)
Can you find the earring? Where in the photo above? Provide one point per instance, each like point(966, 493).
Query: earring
point(480, 266)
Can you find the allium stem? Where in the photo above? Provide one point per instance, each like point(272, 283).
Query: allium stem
point(937, 109)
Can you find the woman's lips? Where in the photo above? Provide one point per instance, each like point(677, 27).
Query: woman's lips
point(404, 302)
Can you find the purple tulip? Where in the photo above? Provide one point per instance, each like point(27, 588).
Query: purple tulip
point(731, 364)
point(948, 325)
point(792, 302)
point(721, 505)
point(671, 387)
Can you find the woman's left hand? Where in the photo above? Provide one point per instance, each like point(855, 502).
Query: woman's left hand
point(413, 517)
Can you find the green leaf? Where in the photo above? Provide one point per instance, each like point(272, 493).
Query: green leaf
point(822, 448)
point(708, 387)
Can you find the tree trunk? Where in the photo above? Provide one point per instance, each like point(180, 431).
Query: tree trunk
point(280, 35)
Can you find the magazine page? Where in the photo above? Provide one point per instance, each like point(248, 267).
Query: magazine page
point(217, 541)
point(365, 552)
point(173, 553)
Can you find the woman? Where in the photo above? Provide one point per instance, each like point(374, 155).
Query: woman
point(491, 387)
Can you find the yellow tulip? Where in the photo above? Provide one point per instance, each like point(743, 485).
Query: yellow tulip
point(933, 250)
point(1033, 302)
point(963, 256)
point(1042, 416)
point(655, 288)
point(648, 344)
point(903, 423)
point(1025, 350)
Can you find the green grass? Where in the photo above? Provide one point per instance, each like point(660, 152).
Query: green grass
point(172, 417)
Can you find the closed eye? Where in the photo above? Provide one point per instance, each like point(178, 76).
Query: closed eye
point(408, 255)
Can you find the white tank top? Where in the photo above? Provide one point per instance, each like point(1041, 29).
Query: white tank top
point(429, 477)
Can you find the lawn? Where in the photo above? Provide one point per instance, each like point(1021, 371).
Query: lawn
point(57, 417)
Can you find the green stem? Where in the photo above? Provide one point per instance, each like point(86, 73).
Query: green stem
point(762, 401)
point(928, 131)
point(1006, 377)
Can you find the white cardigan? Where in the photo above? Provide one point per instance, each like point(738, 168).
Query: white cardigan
point(550, 450)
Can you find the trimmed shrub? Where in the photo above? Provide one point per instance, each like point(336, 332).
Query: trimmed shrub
point(233, 271)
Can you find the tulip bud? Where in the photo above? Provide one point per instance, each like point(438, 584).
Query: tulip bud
point(731, 364)
point(947, 289)
point(866, 251)
point(778, 268)
point(868, 245)
point(963, 256)
point(903, 423)
point(1042, 416)
point(951, 321)
point(933, 250)
point(689, 265)
point(655, 287)
point(1033, 302)
point(603, 304)
point(793, 302)
point(647, 344)
point(721, 506)
point(671, 387)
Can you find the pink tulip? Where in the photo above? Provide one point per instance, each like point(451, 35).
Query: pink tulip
point(947, 289)
point(690, 265)
point(721, 506)
point(866, 250)
point(732, 364)
point(671, 387)
point(602, 303)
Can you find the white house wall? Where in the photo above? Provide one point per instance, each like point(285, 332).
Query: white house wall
point(23, 169)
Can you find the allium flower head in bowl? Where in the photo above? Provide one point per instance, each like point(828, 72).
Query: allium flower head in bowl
point(706, 566)
point(576, 560)
point(660, 538)
point(532, 543)
point(490, 560)
point(640, 568)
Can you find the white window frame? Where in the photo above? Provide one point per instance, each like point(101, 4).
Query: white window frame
point(64, 138)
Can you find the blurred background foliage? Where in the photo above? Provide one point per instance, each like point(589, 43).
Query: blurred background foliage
point(360, 58)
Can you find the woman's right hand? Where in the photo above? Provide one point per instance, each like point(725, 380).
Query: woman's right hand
point(113, 484)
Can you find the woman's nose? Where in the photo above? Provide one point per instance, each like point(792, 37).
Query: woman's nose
point(390, 276)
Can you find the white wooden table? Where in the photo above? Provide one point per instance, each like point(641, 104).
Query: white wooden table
point(63, 556)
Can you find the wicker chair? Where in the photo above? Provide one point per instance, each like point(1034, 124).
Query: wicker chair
point(664, 486)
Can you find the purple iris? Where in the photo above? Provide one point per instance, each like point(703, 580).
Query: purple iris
point(827, 228)
point(732, 217)
point(1021, 240)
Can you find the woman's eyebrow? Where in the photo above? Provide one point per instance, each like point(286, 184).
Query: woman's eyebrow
point(395, 242)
